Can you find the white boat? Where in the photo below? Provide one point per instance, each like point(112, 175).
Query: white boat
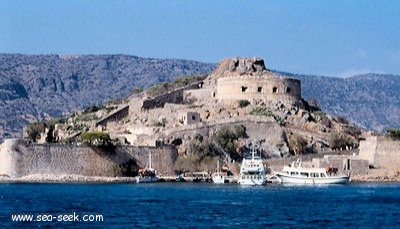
point(219, 177)
point(147, 174)
point(296, 174)
point(252, 170)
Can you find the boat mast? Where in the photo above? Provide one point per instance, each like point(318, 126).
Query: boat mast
point(150, 165)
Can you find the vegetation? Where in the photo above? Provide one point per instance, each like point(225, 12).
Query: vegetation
point(227, 136)
point(35, 130)
point(313, 102)
point(280, 120)
point(137, 90)
point(243, 103)
point(342, 120)
point(92, 108)
point(187, 80)
point(203, 153)
point(261, 111)
point(179, 82)
point(393, 133)
point(201, 157)
point(352, 131)
point(339, 141)
point(96, 138)
point(88, 117)
point(323, 119)
point(297, 144)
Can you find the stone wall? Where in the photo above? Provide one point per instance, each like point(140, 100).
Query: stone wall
point(381, 152)
point(251, 88)
point(175, 96)
point(115, 116)
point(344, 163)
point(204, 94)
point(18, 158)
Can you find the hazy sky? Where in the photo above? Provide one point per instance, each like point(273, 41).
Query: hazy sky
point(336, 38)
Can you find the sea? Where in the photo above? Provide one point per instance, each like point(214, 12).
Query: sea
point(199, 205)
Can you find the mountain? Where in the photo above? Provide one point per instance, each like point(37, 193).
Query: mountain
point(371, 101)
point(34, 87)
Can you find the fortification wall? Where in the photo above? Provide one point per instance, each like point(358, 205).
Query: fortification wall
point(247, 87)
point(17, 159)
point(206, 94)
point(175, 96)
point(115, 116)
point(381, 152)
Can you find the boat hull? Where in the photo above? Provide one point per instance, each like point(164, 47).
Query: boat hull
point(219, 179)
point(248, 181)
point(284, 178)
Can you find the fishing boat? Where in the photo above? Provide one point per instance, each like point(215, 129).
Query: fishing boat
point(252, 170)
point(296, 174)
point(219, 177)
point(147, 174)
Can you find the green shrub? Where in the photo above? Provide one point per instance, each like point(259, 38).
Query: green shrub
point(159, 89)
point(137, 90)
point(243, 103)
point(261, 111)
point(187, 80)
point(88, 117)
point(280, 120)
point(34, 130)
point(92, 109)
point(393, 133)
point(226, 137)
point(96, 138)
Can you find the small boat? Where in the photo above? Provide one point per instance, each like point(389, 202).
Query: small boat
point(296, 174)
point(147, 174)
point(219, 177)
point(252, 170)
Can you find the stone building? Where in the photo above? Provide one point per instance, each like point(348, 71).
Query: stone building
point(381, 152)
point(345, 163)
point(189, 118)
point(248, 79)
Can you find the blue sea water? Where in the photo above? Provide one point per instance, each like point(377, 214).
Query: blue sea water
point(203, 205)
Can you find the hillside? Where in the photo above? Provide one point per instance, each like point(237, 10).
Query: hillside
point(240, 105)
point(33, 87)
point(371, 101)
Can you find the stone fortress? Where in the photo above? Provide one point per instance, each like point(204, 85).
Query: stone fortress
point(166, 123)
point(248, 79)
point(212, 103)
point(241, 78)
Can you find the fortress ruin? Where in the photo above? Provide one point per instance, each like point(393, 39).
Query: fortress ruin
point(248, 79)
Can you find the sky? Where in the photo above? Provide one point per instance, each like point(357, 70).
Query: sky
point(333, 38)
